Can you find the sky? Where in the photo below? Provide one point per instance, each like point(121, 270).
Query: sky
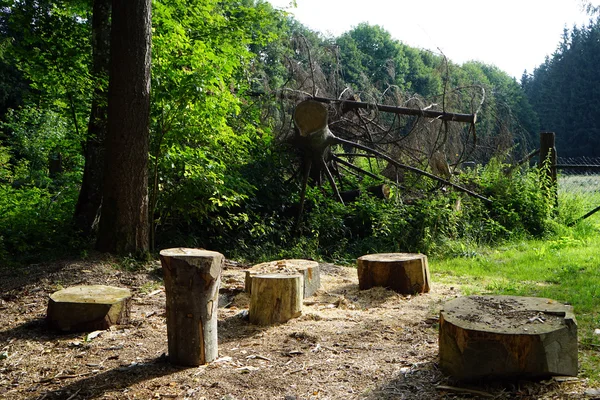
point(514, 35)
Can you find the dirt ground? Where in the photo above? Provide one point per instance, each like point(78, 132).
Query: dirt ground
point(348, 344)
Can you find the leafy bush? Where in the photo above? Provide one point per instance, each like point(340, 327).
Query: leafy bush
point(436, 222)
point(521, 204)
point(35, 223)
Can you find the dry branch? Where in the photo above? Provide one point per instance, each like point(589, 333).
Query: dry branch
point(348, 105)
point(413, 169)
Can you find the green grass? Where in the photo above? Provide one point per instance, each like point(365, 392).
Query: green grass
point(565, 268)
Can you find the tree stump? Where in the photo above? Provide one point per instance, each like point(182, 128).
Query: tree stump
point(275, 298)
point(402, 272)
point(88, 308)
point(308, 269)
point(507, 336)
point(192, 279)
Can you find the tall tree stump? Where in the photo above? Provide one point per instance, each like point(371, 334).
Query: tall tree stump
point(507, 336)
point(192, 279)
point(308, 269)
point(275, 298)
point(404, 273)
point(88, 308)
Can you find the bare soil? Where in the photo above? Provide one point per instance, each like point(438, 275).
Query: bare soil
point(348, 344)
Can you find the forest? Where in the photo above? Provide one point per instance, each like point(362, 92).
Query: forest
point(224, 168)
point(132, 132)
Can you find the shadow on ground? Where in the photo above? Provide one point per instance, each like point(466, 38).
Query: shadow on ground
point(95, 386)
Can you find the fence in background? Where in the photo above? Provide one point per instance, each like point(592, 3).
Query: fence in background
point(573, 179)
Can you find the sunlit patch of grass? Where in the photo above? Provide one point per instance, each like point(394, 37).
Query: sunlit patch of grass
point(565, 268)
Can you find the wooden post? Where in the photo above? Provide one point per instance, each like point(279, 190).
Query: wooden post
point(192, 279)
point(404, 273)
point(275, 298)
point(548, 163)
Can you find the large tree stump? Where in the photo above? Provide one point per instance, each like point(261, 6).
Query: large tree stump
point(88, 308)
point(192, 279)
point(308, 269)
point(402, 272)
point(275, 298)
point(506, 337)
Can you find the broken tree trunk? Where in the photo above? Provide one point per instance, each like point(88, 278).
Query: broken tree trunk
point(275, 298)
point(404, 273)
point(499, 337)
point(316, 139)
point(349, 105)
point(308, 269)
point(192, 278)
point(88, 308)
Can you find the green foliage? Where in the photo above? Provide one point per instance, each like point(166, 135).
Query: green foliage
point(218, 177)
point(49, 43)
point(563, 90)
point(561, 267)
point(35, 136)
point(205, 131)
point(371, 58)
point(34, 223)
point(520, 202)
point(442, 222)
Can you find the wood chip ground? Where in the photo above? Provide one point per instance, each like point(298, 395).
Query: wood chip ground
point(348, 344)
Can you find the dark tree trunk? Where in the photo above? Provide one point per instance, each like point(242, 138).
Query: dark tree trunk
point(90, 194)
point(124, 224)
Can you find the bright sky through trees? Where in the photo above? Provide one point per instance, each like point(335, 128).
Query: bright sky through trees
point(514, 35)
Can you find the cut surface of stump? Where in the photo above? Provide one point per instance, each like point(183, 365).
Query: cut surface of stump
point(405, 273)
point(307, 268)
point(88, 308)
point(192, 279)
point(275, 298)
point(499, 337)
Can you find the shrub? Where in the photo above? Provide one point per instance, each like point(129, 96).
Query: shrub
point(35, 223)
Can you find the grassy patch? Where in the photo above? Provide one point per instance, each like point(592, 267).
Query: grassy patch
point(565, 268)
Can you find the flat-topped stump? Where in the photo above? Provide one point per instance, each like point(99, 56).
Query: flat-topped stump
point(275, 298)
point(498, 337)
point(307, 268)
point(405, 273)
point(88, 308)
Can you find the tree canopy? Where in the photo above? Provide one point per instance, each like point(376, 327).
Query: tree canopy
point(225, 77)
point(563, 91)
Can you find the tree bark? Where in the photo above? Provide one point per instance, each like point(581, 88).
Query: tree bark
point(90, 195)
point(506, 337)
point(88, 308)
point(307, 268)
point(124, 226)
point(275, 298)
point(404, 273)
point(192, 279)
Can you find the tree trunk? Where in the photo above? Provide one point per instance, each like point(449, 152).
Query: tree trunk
point(275, 298)
point(307, 268)
point(502, 337)
point(404, 273)
point(192, 279)
point(124, 224)
point(90, 194)
point(88, 308)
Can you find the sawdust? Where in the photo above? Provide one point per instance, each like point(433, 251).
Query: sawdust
point(348, 344)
